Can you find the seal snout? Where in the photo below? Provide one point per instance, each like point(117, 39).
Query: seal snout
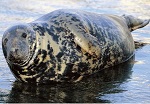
point(16, 56)
point(12, 57)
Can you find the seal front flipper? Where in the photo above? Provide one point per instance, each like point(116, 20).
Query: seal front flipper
point(135, 23)
point(88, 43)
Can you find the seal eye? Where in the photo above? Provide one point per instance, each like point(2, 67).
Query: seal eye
point(24, 35)
point(5, 41)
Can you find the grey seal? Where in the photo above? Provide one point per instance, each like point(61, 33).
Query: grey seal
point(65, 45)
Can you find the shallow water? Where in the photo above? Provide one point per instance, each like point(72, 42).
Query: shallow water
point(126, 83)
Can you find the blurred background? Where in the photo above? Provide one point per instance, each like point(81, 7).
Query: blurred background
point(125, 83)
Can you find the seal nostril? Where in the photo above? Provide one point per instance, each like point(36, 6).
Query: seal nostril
point(14, 52)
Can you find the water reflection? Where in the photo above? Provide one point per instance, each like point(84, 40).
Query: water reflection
point(91, 89)
point(110, 85)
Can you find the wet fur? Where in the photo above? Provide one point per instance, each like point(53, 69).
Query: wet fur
point(70, 44)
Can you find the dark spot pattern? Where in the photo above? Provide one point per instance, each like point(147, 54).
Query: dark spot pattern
point(44, 53)
point(62, 59)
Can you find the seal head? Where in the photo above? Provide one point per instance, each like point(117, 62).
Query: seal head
point(17, 44)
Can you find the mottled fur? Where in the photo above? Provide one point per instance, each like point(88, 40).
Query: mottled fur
point(69, 44)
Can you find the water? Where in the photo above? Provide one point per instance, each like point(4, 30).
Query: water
point(125, 83)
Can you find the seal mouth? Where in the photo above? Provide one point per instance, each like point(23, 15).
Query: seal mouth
point(20, 61)
point(16, 58)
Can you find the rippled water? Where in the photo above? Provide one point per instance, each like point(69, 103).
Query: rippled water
point(128, 82)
